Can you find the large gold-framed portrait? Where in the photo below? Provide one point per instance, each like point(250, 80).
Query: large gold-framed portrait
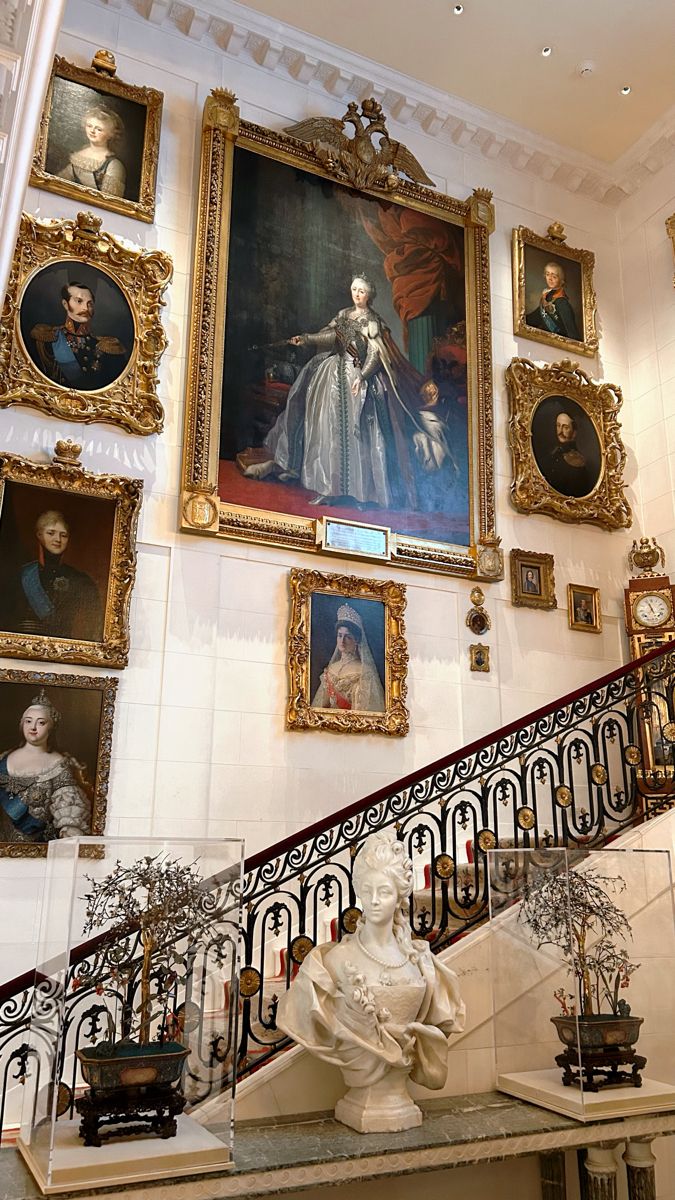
point(339, 376)
point(67, 560)
point(82, 336)
point(99, 138)
point(670, 230)
point(553, 293)
point(347, 654)
point(566, 447)
point(55, 743)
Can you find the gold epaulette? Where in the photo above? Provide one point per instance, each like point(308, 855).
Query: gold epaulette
point(44, 333)
point(110, 345)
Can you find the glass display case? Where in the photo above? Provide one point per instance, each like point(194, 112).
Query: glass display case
point(583, 976)
point(130, 1054)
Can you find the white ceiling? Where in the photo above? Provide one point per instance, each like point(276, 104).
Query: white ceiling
point(491, 56)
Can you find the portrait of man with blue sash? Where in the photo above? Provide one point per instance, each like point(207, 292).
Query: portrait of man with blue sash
point(72, 354)
point(46, 595)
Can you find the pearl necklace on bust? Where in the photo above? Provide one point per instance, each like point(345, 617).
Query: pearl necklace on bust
point(381, 962)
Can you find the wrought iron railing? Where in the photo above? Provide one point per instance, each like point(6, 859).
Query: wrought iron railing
point(574, 773)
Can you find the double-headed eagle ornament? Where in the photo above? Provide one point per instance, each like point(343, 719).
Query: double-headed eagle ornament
point(355, 159)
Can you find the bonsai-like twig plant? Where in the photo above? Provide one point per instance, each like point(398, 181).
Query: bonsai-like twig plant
point(575, 912)
point(164, 901)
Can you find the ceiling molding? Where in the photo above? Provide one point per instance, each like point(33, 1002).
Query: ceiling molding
point(279, 49)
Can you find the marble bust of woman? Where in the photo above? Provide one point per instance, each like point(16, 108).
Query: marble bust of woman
point(377, 1004)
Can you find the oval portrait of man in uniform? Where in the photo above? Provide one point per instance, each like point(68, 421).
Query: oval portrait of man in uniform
point(77, 325)
point(566, 446)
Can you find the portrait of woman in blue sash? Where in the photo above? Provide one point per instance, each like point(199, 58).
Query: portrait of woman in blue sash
point(47, 596)
point(43, 790)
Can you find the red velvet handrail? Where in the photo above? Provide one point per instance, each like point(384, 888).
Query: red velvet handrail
point(28, 978)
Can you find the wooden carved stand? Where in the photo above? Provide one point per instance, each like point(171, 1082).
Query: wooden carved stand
point(142, 1109)
point(603, 1061)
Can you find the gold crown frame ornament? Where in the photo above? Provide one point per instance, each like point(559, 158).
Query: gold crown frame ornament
point(244, 356)
point(347, 654)
point(135, 114)
point(568, 456)
point(82, 614)
point(98, 362)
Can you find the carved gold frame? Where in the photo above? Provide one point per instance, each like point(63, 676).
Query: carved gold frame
point(105, 684)
point(66, 475)
point(202, 510)
point(527, 385)
point(543, 563)
point(101, 76)
point(594, 594)
point(554, 245)
point(142, 275)
point(299, 713)
point(670, 230)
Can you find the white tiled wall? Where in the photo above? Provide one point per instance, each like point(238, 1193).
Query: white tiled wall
point(199, 740)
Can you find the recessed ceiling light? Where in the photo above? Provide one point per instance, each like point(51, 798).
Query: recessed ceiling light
point(458, 9)
point(547, 51)
point(626, 89)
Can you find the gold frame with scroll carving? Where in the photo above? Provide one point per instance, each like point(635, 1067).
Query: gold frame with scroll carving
point(300, 714)
point(202, 509)
point(66, 477)
point(530, 386)
point(670, 230)
point(554, 247)
point(129, 401)
point(32, 684)
point(101, 77)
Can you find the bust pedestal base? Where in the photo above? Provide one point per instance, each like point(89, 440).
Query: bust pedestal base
point(384, 1107)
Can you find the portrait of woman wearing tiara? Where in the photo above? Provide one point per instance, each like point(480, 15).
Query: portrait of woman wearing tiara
point(350, 671)
point(44, 793)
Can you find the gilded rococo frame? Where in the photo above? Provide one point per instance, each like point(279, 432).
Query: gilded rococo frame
point(202, 509)
point(300, 713)
point(670, 230)
point(106, 685)
point(556, 388)
point(139, 276)
point(554, 246)
point(65, 476)
point(101, 77)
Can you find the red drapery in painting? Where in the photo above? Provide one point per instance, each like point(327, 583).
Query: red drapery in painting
point(419, 252)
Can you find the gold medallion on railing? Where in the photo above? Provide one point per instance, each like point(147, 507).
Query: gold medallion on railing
point(350, 919)
point(669, 731)
point(633, 755)
point(249, 982)
point(444, 866)
point(525, 817)
point(486, 840)
point(300, 948)
point(598, 774)
point(563, 796)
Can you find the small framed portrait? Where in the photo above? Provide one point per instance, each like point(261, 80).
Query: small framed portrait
point(55, 739)
point(479, 657)
point(67, 560)
point(83, 320)
point(553, 295)
point(347, 655)
point(532, 580)
point(583, 608)
point(99, 138)
point(568, 457)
